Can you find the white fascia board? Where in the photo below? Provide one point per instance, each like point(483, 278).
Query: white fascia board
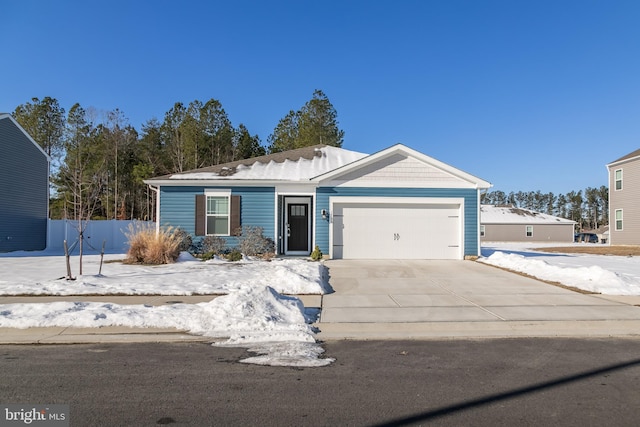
point(402, 149)
point(296, 188)
point(621, 162)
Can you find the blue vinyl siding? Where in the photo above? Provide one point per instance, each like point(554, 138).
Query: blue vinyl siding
point(24, 191)
point(470, 209)
point(257, 208)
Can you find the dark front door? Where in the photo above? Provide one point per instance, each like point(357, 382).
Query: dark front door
point(298, 227)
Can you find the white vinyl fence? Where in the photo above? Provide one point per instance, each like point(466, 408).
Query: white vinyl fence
point(112, 232)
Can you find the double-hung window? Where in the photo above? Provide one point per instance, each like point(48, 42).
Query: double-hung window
point(618, 219)
point(618, 179)
point(218, 214)
point(482, 231)
point(529, 230)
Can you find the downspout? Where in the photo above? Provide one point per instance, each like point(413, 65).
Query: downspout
point(480, 219)
point(157, 191)
point(48, 240)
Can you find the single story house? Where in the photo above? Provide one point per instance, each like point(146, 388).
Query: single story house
point(394, 204)
point(511, 224)
point(624, 199)
point(24, 189)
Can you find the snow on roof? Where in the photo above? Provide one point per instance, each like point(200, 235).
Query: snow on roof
point(305, 165)
point(490, 214)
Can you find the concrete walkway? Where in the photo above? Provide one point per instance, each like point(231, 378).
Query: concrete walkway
point(112, 334)
point(398, 300)
point(449, 299)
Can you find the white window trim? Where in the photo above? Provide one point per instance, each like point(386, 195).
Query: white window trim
point(217, 193)
point(621, 220)
point(482, 230)
point(615, 180)
point(526, 230)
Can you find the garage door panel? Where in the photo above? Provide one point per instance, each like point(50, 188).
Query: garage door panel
point(396, 231)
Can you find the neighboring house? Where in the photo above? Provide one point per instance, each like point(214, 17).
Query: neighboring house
point(396, 203)
point(24, 189)
point(624, 200)
point(510, 224)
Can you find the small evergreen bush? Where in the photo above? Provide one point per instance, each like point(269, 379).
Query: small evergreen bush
point(316, 255)
point(234, 255)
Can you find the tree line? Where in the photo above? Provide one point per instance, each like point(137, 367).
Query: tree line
point(588, 208)
point(99, 160)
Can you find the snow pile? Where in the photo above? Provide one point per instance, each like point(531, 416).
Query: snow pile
point(253, 313)
point(270, 324)
point(590, 273)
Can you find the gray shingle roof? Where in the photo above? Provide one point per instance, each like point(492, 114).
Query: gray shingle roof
point(628, 156)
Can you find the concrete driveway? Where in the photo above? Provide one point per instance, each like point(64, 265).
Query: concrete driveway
point(428, 298)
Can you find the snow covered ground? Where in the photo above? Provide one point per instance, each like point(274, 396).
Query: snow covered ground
point(252, 314)
point(609, 275)
point(45, 275)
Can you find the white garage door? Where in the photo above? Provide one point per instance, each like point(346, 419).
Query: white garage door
point(397, 231)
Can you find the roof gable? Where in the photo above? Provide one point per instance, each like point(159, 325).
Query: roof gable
point(401, 166)
point(9, 118)
point(630, 156)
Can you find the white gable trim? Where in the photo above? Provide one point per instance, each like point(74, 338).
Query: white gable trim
point(466, 180)
point(10, 117)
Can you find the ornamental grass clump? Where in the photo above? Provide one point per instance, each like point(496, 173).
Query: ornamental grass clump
point(146, 246)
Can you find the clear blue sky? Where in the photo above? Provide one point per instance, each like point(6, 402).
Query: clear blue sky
point(529, 95)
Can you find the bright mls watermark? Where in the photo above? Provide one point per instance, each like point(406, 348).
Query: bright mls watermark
point(34, 415)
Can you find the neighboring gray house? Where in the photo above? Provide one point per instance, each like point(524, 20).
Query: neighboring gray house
point(24, 189)
point(394, 204)
point(510, 224)
point(624, 200)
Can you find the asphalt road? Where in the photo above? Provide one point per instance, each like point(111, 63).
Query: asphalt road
point(522, 382)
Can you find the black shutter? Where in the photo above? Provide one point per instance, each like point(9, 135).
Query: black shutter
point(235, 216)
point(201, 200)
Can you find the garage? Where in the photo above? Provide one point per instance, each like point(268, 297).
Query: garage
point(395, 228)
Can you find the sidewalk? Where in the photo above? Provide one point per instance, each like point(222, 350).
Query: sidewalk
point(111, 334)
point(458, 329)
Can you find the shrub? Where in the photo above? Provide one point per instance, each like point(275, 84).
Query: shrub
point(148, 247)
point(184, 239)
point(207, 256)
point(234, 255)
point(316, 255)
point(214, 244)
point(252, 242)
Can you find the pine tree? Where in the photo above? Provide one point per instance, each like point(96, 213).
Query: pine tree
point(44, 122)
point(315, 123)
